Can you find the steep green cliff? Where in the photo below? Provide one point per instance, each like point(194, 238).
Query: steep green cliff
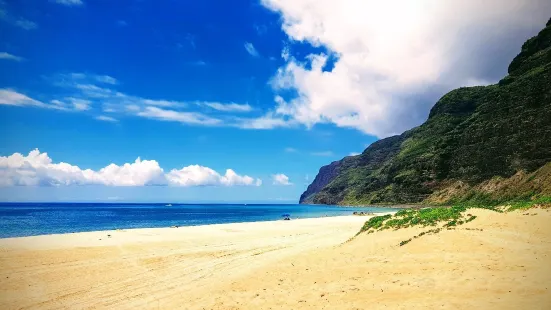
point(490, 143)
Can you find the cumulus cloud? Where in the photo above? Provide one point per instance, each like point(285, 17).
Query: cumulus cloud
point(8, 56)
point(281, 179)
point(389, 59)
point(249, 47)
point(196, 175)
point(38, 169)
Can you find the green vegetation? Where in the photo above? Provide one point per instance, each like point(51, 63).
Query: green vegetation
point(442, 217)
point(417, 217)
point(544, 202)
point(484, 145)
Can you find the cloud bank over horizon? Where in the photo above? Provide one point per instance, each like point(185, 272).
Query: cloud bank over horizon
point(38, 169)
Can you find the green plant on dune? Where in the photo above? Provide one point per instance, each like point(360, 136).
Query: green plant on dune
point(447, 217)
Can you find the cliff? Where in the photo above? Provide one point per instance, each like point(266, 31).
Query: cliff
point(486, 143)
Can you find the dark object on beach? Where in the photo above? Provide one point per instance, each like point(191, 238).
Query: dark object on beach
point(363, 213)
point(286, 217)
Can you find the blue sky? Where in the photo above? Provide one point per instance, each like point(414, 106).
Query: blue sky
point(272, 90)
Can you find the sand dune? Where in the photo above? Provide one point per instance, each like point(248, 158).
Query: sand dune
point(498, 261)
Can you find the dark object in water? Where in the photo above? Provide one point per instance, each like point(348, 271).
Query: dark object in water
point(286, 217)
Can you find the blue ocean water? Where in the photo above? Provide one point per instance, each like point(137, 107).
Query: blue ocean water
point(27, 219)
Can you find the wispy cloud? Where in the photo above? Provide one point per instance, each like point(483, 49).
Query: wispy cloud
point(228, 107)
point(79, 104)
point(177, 116)
point(290, 150)
point(14, 98)
point(84, 91)
point(69, 2)
point(9, 56)
point(122, 23)
point(11, 97)
point(14, 20)
point(163, 103)
point(107, 118)
point(323, 153)
point(25, 24)
point(354, 154)
point(106, 79)
point(268, 121)
point(249, 47)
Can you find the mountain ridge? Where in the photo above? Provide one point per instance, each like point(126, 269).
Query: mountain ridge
point(475, 140)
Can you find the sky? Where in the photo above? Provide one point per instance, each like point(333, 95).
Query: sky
point(227, 101)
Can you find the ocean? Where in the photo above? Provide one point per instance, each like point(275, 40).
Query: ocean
point(28, 219)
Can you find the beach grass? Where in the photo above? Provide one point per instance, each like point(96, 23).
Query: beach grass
point(443, 217)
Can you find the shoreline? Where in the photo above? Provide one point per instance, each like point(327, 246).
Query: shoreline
point(198, 225)
point(119, 236)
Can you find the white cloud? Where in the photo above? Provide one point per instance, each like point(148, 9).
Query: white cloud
point(162, 103)
point(69, 2)
point(354, 154)
point(196, 175)
point(107, 118)
point(323, 153)
point(106, 79)
point(281, 179)
point(79, 104)
point(290, 150)
point(11, 97)
point(114, 101)
point(177, 116)
point(249, 47)
point(38, 169)
point(14, 98)
point(228, 107)
point(9, 56)
point(94, 91)
point(268, 121)
point(132, 108)
point(388, 53)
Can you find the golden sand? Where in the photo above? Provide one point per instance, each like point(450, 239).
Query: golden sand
point(498, 261)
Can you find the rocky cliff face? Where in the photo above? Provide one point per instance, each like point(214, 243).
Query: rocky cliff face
point(324, 177)
point(473, 136)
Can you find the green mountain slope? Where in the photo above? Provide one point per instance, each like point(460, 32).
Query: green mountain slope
point(490, 143)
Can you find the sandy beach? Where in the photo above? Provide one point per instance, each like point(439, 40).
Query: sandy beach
point(498, 261)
